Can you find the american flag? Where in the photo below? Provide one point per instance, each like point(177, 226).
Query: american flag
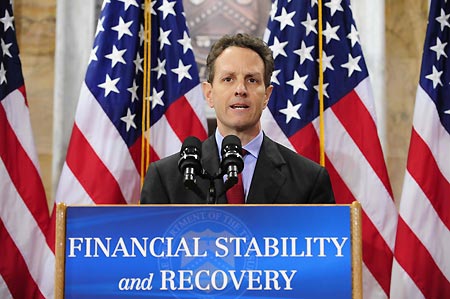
point(421, 266)
point(27, 260)
point(177, 104)
point(104, 155)
point(353, 154)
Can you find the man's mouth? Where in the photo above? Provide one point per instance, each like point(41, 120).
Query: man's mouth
point(239, 106)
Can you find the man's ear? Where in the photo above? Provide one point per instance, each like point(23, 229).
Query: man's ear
point(207, 89)
point(269, 90)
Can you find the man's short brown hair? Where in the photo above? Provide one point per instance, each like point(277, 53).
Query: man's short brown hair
point(241, 40)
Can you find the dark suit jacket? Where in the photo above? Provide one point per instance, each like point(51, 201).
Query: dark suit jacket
point(281, 177)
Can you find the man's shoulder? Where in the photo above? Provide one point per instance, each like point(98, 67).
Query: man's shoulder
point(169, 160)
point(289, 155)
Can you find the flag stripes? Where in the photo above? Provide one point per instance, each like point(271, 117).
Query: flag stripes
point(353, 152)
point(425, 234)
point(86, 176)
point(430, 177)
point(108, 156)
point(183, 119)
point(24, 216)
point(21, 239)
point(367, 140)
point(422, 265)
point(21, 285)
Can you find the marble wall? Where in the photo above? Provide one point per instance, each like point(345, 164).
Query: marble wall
point(406, 22)
point(405, 29)
point(35, 28)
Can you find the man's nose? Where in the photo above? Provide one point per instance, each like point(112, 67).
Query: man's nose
point(241, 89)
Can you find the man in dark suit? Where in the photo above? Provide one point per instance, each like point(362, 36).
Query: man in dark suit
point(238, 88)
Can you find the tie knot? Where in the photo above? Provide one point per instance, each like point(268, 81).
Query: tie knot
point(244, 152)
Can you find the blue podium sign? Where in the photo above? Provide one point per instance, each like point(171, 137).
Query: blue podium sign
point(208, 252)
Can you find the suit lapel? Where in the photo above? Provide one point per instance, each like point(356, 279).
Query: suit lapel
point(268, 176)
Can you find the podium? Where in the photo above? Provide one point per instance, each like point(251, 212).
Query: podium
point(209, 251)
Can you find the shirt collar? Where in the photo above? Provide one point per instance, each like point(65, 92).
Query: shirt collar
point(252, 147)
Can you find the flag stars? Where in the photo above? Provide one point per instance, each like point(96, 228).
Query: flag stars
point(353, 36)
point(330, 33)
point(105, 3)
point(352, 64)
point(185, 42)
point(298, 82)
point(141, 35)
point(324, 89)
point(278, 48)
point(439, 48)
point(334, 5)
point(109, 85)
point(182, 71)
point(133, 90)
point(285, 18)
point(2, 74)
point(163, 38)
point(100, 27)
point(116, 56)
point(5, 48)
point(123, 28)
point(138, 63)
point(274, 78)
point(167, 8)
point(326, 61)
point(129, 120)
point(443, 19)
point(160, 68)
point(273, 10)
point(291, 111)
point(435, 76)
point(304, 52)
point(93, 56)
point(128, 3)
point(156, 98)
point(152, 7)
point(7, 21)
point(310, 25)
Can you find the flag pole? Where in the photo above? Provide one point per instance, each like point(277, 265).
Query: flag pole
point(145, 141)
point(321, 105)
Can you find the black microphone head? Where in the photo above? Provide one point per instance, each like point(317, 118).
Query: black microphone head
point(192, 141)
point(190, 155)
point(232, 153)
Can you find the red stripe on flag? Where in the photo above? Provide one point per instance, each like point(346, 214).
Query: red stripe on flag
point(135, 153)
point(22, 90)
point(377, 255)
point(24, 175)
point(423, 168)
point(306, 142)
point(353, 115)
point(419, 264)
point(21, 284)
point(153, 155)
point(80, 151)
point(184, 121)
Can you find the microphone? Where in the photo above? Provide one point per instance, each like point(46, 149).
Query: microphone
point(189, 163)
point(232, 162)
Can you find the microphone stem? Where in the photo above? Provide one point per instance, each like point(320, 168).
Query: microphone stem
point(212, 192)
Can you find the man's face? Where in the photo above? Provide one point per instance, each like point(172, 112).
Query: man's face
point(238, 93)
